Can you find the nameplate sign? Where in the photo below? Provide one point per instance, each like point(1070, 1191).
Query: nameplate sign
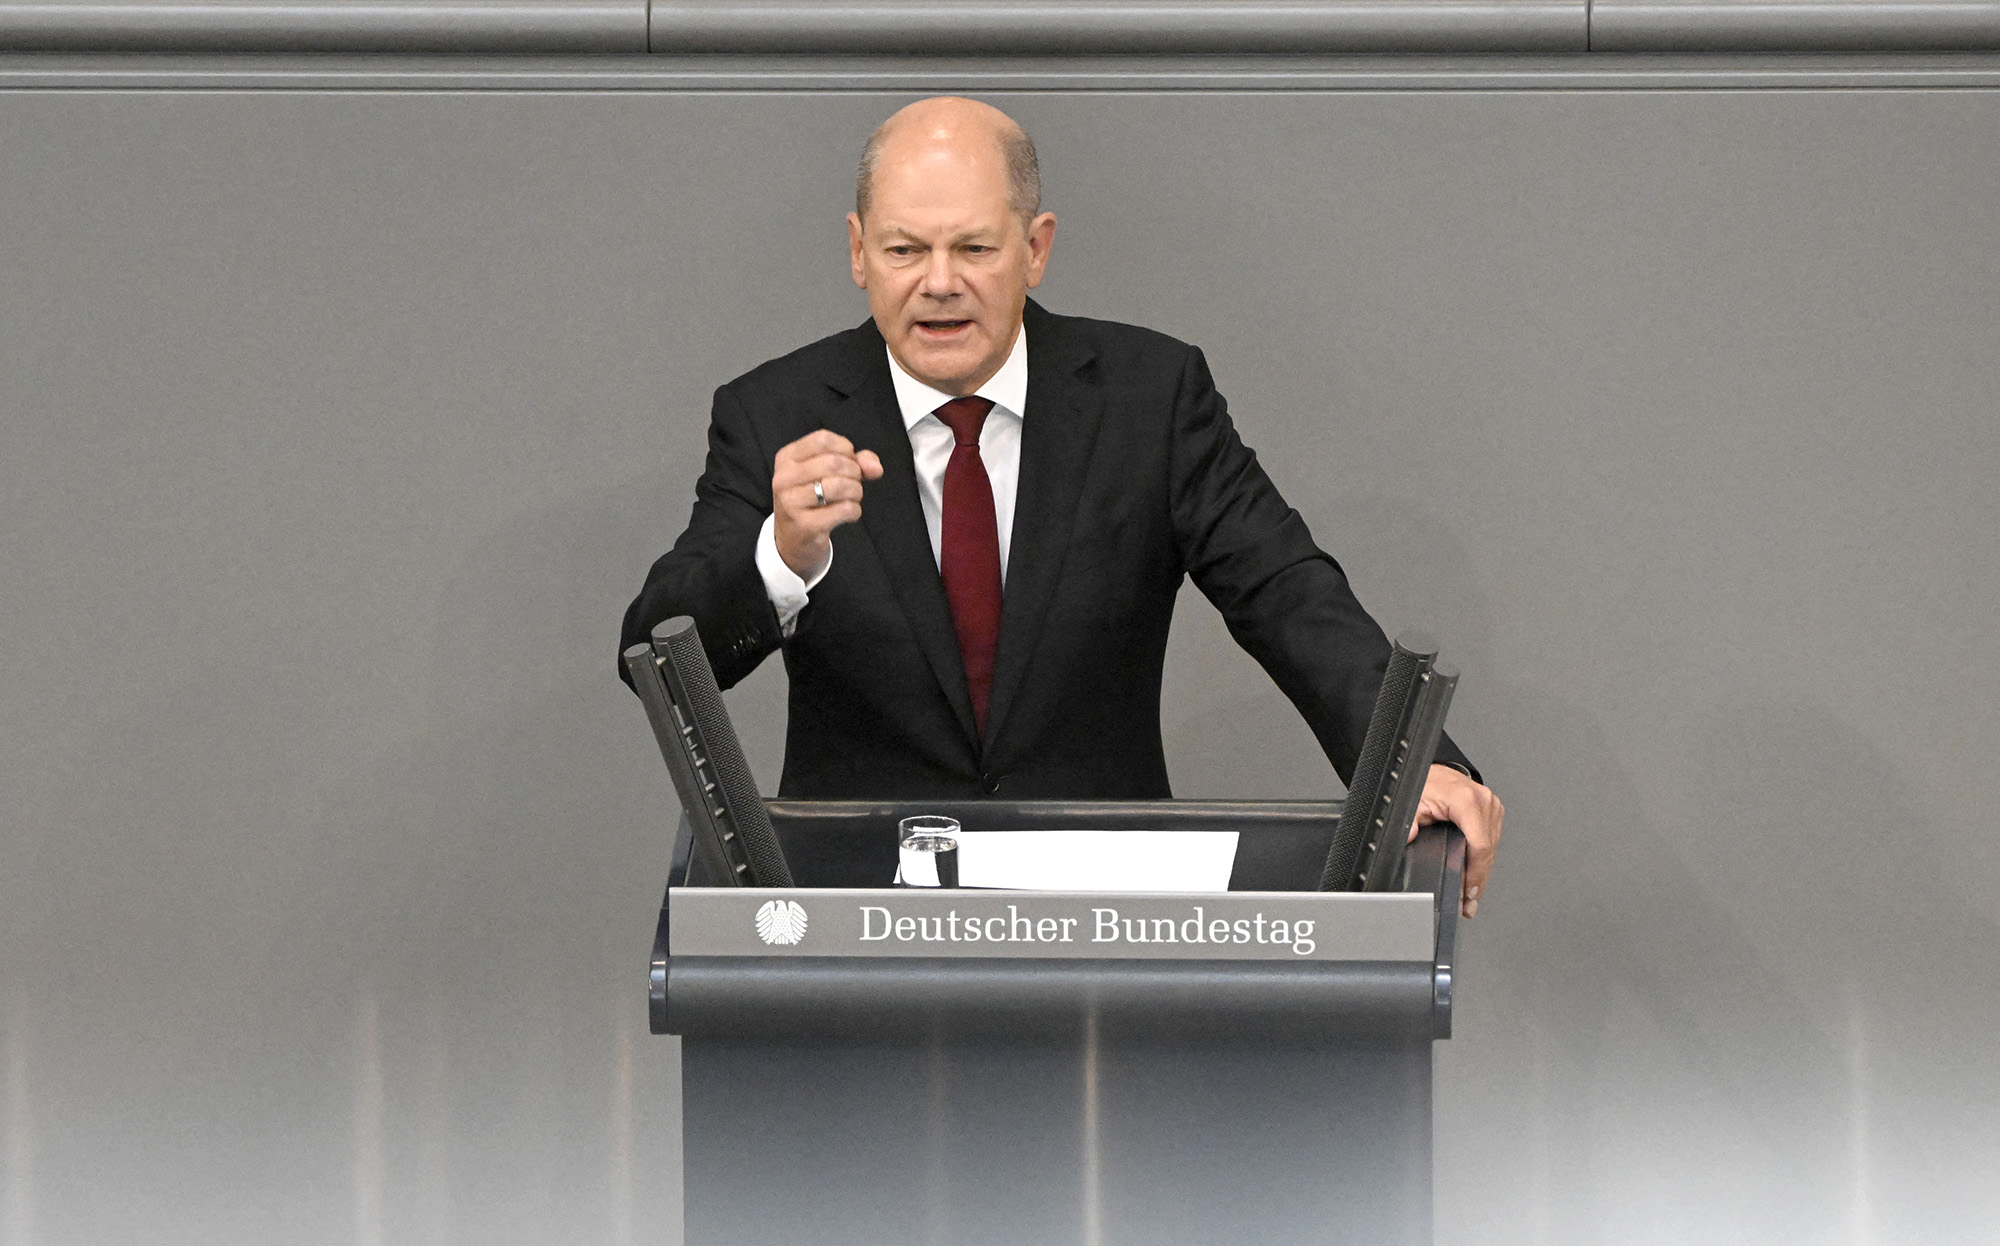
point(1050, 925)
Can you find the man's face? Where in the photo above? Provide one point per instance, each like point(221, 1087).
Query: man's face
point(947, 263)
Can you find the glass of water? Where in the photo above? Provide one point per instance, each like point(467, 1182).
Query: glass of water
point(927, 853)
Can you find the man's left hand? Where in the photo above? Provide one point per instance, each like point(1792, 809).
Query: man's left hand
point(1451, 795)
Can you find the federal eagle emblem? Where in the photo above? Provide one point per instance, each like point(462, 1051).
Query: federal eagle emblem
point(781, 921)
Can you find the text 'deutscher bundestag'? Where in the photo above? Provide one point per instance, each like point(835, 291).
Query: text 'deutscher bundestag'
point(1280, 926)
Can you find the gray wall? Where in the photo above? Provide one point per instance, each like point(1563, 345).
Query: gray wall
point(336, 429)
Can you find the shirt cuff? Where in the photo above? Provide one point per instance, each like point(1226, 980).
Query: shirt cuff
point(788, 593)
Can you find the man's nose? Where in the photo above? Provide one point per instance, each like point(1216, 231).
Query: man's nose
point(940, 276)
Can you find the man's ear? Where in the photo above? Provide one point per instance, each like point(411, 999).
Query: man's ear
point(859, 269)
point(1041, 238)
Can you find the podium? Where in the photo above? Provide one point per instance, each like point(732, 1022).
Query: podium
point(867, 1064)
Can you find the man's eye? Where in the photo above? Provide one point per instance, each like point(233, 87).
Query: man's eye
point(902, 250)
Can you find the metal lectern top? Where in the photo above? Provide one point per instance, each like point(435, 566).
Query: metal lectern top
point(874, 961)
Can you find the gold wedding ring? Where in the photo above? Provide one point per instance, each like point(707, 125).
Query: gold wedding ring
point(819, 494)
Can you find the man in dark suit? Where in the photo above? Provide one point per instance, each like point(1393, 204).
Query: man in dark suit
point(995, 620)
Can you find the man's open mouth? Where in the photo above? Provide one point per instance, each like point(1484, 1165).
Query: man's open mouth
point(941, 327)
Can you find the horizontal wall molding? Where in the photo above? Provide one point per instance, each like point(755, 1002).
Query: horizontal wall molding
point(928, 75)
point(1794, 25)
point(278, 26)
point(997, 28)
point(1121, 27)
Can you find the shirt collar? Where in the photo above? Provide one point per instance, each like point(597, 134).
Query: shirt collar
point(1008, 388)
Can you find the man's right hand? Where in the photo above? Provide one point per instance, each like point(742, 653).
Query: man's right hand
point(804, 527)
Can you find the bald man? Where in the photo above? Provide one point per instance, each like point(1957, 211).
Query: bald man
point(965, 520)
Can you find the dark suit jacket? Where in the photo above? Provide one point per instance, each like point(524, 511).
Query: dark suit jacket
point(1131, 477)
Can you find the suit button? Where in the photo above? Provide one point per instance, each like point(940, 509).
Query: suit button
point(989, 783)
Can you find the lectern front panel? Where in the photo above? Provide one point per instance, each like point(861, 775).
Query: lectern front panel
point(1113, 1142)
point(918, 1066)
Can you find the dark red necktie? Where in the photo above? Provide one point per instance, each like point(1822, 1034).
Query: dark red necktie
point(969, 550)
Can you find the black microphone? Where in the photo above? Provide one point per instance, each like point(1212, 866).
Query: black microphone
point(731, 829)
point(1396, 757)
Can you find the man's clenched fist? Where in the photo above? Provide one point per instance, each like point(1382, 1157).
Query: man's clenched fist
point(804, 523)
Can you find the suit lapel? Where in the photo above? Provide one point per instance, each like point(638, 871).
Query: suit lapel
point(1057, 432)
point(893, 516)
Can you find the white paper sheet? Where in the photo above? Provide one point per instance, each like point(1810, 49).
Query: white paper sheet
point(1097, 860)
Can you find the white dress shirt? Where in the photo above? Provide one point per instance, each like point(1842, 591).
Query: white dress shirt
point(931, 445)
